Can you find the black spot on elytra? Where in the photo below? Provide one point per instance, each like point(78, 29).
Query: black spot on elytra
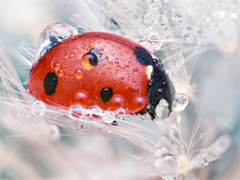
point(143, 56)
point(50, 83)
point(106, 94)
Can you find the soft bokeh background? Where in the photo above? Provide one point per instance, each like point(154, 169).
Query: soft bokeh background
point(45, 154)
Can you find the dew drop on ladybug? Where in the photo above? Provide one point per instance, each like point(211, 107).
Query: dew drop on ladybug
point(106, 71)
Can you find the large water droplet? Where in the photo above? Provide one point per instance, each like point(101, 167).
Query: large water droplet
point(180, 101)
point(76, 112)
point(162, 110)
point(148, 19)
point(79, 73)
point(38, 108)
point(52, 35)
point(94, 113)
point(166, 160)
point(119, 114)
point(108, 117)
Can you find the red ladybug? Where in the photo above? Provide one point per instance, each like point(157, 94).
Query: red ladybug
point(101, 69)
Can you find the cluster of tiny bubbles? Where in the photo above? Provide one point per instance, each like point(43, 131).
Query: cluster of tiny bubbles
point(51, 36)
point(148, 19)
point(38, 108)
point(157, 44)
point(156, 4)
point(205, 161)
point(177, 18)
point(180, 101)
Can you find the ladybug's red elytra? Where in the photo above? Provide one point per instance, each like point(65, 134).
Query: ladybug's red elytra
point(101, 69)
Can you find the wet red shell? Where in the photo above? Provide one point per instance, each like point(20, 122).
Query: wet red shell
point(79, 84)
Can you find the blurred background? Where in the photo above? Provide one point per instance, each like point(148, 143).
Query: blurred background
point(36, 149)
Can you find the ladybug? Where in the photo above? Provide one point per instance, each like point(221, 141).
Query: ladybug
point(104, 70)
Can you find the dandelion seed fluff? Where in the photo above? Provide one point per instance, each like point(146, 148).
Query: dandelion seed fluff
point(198, 46)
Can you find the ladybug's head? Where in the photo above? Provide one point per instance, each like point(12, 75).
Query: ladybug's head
point(160, 89)
point(160, 92)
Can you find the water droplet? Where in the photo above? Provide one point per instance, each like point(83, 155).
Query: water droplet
point(57, 66)
point(173, 129)
point(119, 114)
point(177, 18)
point(135, 70)
point(94, 113)
point(79, 74)
point(38, 108)
point(60, 72)
point(85, 128)
point(162, 110)
point(148, 19)
point(108, 117)
point(87, 60)
point(180, 101)
point(76, 112)
point(155, 4)
point(52, 35)
point(162, 20)
point(54, 132)
point(92, 44)
point(166, 160)
point(157, 44)
point(157, 143)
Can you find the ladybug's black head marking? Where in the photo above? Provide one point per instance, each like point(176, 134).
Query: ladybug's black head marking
point(106, 94)
point(160, 86)
point(143, 56)
point(50, 83)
